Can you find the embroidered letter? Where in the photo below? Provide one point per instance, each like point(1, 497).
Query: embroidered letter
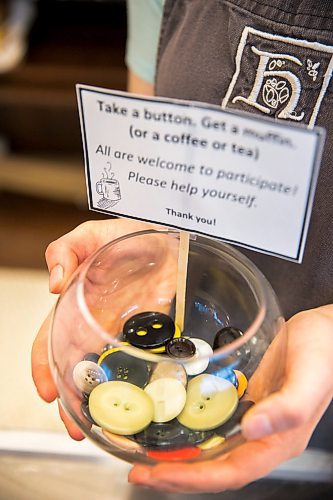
point(275, 90)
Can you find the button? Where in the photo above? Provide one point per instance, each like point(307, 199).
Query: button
point(170, 435)
point(122, 442)
point(161, 349)
point(149, 330)
point(241, 383)
point(87, 375)
point(107, 347)
point(180, 348)
point(168, 396)
point(169, 369)
point(91, 356)
point(215, 368)
point(212, 442)
point(233, 425)
point(118, 365)
point(210, 402)
point(175, 455)
point(120, 407)
point(200, 359)
point(226, 336)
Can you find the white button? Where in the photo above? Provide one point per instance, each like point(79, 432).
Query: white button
point(168, 396)
point(200, 360)
point(169, 369)
point(87, 375)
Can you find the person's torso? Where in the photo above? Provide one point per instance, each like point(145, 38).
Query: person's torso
point(273, 58)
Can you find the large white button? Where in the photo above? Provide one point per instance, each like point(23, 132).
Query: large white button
point(168, 396)
point(87, 375)
point(120, 407)
point(210, 402)
point(200, 360)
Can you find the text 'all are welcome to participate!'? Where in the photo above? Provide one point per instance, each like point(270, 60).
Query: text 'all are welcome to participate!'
point(237, 177)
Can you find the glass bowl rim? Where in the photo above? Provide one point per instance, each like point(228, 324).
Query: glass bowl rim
point(154, 357)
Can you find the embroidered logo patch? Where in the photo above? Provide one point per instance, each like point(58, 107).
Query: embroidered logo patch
point(282, 77)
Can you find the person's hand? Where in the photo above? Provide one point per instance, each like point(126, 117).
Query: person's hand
point(276, 429)
point(63, 257)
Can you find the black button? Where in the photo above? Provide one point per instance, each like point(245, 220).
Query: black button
point(149, 330)
point(121, 366)
point(239, 358)
point(91, 356)
point(232, 424)
point(180, 348)
point(169, 435)
point(226, 335)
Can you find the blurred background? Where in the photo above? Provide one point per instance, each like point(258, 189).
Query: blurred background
point(46, 47)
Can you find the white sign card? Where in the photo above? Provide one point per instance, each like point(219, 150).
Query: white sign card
point(237, 177)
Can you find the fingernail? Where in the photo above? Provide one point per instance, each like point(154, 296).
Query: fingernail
point(56, 277)
point(256, 427)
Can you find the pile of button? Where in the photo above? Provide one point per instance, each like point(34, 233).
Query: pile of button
point(174, 408)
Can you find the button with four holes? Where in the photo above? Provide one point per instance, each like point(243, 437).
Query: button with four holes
point(87, 375)
point(118, 365)
point(180, 348)
point(170, 435)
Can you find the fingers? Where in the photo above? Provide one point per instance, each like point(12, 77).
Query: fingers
point(215, 476)
point(65, 254)
point(71, 428)
point(41, 372)
point(279, 427)
point(308, 388)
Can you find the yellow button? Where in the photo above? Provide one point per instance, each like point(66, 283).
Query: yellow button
point(242, 383)
point(212, 442)
point(210, 402)
point(120, 407)
point(168, 396)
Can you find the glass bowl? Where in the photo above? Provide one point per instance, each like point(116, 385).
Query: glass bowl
point(150, 376)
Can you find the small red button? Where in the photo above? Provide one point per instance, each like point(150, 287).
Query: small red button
point(173, 455)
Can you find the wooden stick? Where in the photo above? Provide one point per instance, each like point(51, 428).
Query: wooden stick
point(181, 278)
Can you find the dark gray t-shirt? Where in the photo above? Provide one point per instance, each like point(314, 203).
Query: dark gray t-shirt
point(230, 53)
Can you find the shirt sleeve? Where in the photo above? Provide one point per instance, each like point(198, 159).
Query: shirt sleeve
point(143, 29)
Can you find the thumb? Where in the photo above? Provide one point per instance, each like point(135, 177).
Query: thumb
point(308, 386)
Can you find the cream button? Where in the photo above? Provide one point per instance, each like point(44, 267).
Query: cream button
point(212, 442)
point(169, 369)
point(168, 396)
point(210, 402)
point(200, 360)
point(122, 442)
point(87, 375)
point(120, 407)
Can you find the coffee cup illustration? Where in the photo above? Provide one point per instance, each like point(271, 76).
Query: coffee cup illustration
point(108, 187)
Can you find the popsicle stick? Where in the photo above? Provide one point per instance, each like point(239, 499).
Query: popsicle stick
point(181, 278)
